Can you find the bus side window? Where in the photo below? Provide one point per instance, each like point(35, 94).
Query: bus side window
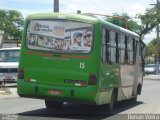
point(134, 50)
point(108, 49)
point(110, 46)
point(105, 47)
point(130, 49)
point(117, 47)
point(126, 58)
point(112, 39)
point(103, 53)
point(122, 46)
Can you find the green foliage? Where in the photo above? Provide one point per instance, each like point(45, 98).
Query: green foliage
point(120, 20)
point(148, 21)
point(152, 48)
point(145, 24)
point(11, 22)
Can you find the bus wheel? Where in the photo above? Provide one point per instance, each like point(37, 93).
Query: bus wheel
point(134, 99)
point(53, 104)
point(112, 102)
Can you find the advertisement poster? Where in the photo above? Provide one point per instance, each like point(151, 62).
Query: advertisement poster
point(60, 36)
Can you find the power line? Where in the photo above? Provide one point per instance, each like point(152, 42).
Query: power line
point(97, 5)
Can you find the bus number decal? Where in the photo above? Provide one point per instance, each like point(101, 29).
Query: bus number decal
point(82, 65)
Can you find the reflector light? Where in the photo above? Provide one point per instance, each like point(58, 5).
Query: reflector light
point(21, 73)
point(92, 79)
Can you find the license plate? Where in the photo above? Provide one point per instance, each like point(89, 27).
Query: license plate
point(54, 92)
point(8, 77)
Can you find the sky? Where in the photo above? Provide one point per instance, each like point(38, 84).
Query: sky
point(131, 7)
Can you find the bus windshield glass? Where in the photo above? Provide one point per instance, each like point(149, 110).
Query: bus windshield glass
point(9, 55)
point(60, 36)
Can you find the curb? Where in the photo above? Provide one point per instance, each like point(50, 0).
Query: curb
point(5, 91)
point(8, 91)
point(151, 77)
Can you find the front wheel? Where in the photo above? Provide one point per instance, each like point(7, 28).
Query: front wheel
point(53, 104)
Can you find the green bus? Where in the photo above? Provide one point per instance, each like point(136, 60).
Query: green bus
point(79, 58)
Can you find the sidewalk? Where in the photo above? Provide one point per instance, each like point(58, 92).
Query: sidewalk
point(8, 93)
point(151, 77)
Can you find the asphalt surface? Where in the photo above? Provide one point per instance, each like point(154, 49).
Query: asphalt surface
point(28, 109)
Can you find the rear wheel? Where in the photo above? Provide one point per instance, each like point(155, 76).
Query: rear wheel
point(134, 99)
point(53, 104)
point(111, 105)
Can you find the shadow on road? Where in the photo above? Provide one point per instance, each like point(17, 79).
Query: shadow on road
point(79, 111)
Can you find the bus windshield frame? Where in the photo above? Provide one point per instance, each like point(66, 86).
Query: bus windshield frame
point(60, 36)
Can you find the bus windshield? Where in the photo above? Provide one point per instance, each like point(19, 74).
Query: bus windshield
point(9, 55)
point(60, 36)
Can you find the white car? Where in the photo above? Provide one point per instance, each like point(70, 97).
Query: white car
point(150, 69)
point(9, 59)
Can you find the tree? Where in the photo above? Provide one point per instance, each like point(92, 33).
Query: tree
point(120, 20)
point(149, 20)
point(11, 22)
point(152, 48)
point(146, 22)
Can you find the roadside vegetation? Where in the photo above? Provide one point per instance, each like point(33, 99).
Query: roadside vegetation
point(12, 22)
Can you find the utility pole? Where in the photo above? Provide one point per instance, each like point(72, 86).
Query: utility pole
point(56, 6)
point(1, 38)
point(78, 11)
point(158, 52)
point(158, 42)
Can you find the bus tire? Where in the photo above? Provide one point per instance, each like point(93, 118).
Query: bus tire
point(134, 99)
point(111, 105)
point(50, 104)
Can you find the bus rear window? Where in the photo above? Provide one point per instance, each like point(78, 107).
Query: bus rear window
point(60, 36)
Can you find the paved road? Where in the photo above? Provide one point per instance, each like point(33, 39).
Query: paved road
point(26, 108)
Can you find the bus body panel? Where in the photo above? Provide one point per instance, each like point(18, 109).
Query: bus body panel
point(65, 76)
point(68, 94)
point(127, 80)
point(56, 72)
point(67, 73)
point(109, 80)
